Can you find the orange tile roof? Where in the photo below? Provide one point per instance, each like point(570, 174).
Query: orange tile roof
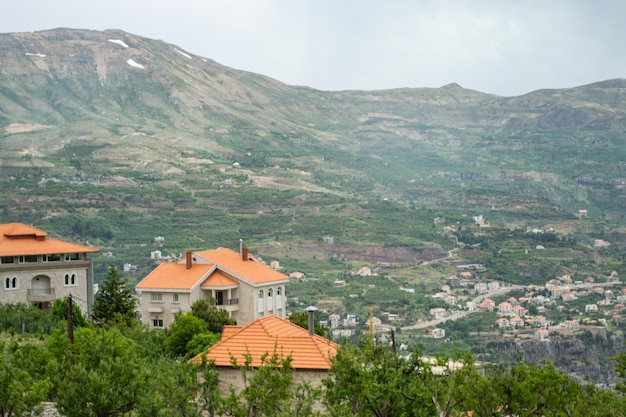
point(271, 334)
point(218, 279)
point(251, 270)
point(20, 239)
point(175, 276)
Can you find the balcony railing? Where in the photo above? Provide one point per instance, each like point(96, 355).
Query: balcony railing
point(40, 294)
point(231, 302)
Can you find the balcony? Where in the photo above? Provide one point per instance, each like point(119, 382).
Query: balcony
point(231, 302)
point(229, 305)
point(40, 295)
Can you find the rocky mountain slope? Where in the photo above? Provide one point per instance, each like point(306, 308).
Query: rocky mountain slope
point(116, 108)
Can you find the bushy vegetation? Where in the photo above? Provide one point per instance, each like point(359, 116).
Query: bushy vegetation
point(131, 371)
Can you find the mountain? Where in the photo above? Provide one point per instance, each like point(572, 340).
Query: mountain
point(143, 149)
point(102, 132)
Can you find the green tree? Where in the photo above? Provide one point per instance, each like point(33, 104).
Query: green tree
point(597, 402)
point(526, 390)
point(99, 375)
point(215, 318)
point(369, 380)
point(114, 301)
point(266, 388)
point(22, 385)
point(59, 311)
point(453, 384)
point(210, 397)
point(182, 331)
point(171, 386)
point(201, 342)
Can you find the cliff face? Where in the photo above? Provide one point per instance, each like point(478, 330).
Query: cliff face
point(587, 356)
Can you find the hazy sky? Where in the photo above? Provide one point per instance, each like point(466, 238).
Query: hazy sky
point(506, 47)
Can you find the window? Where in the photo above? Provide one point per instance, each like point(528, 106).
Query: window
point(279, 313)
point(270, 312)
point(8, 260)
point(278, 291)
point(71, 257)
point(69, 280)
point(156, 323)
point(23, 259)
point(52, 258)
point(175, 297)
point(261, 294)
point(156, 297)
point(10, 283)
point(269, 292)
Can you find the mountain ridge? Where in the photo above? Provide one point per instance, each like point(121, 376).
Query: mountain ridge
point(136, 107)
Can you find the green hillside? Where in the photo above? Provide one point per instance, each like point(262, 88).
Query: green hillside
point(113, 139)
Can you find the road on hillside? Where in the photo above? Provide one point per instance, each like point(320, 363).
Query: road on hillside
point(459, 314)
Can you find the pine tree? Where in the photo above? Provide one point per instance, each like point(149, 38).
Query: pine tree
point(114, 301)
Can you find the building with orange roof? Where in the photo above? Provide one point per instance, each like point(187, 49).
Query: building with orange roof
point(311, 355)
point(36, 269)
point(235, 281)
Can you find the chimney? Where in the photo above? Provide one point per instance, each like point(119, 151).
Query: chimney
point(188, 259)
point(311, 311)
point(244, 253)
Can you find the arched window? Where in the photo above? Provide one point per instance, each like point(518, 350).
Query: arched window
point(67, 279)
point(14, 283)
point(260, 293)
point(278, 291)
point(7, 283)
point(269, 292)
point(73, 280)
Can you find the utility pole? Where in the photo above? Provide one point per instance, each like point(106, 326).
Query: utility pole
point(70, 319)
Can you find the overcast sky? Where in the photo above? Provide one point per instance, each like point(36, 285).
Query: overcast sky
point(505, 47)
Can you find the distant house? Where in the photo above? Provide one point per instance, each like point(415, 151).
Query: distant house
point(542, 334)
point(364, 272)
point(452, 281)
point(569, 296)
point(297, 275)
point(557, 292)
point(350, 320)
point(487, 306)
point(438, 312)
point(235, 282)
point(505, 308)
point(516, 322)
point(311, 354)
point(37, 270)
point(502, 323)
point(275, 265)
point(439, 333)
